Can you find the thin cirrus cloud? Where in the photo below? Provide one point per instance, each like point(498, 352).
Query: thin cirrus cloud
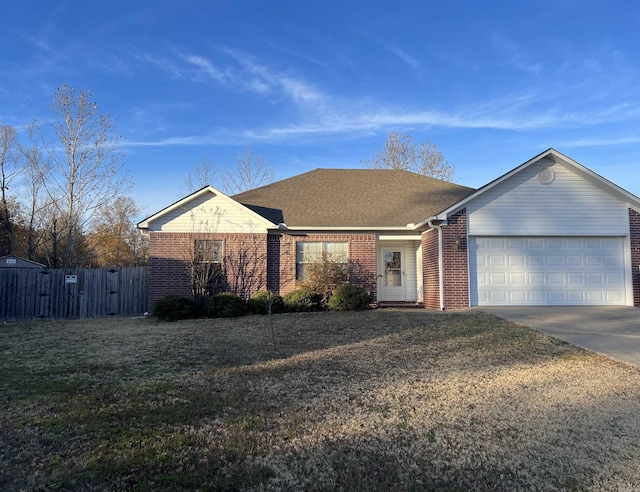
point(405, 57)
point(352, 125)
point(247, 74)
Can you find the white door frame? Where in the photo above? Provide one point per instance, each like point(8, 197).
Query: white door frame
point(392, 293)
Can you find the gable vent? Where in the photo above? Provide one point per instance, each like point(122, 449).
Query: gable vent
point(546, 175)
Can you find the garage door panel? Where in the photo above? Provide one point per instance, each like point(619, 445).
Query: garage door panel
point(516, 260)
point(575, 296)
point(537, 297)
point(588, 270)
point(518, 296)
point(517, 278)
point(594, 278)
point(555, 260)
point(556, 278)
point(557, 297)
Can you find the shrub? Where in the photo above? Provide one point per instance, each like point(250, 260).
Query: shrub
point(302, 300)
point(258, 304)
point(225, 305)
point(349, 298)
point(174, 307)
point(324, 275)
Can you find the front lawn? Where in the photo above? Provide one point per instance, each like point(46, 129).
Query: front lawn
point(379, 400)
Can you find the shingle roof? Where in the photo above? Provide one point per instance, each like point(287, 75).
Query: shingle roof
point(352, 198)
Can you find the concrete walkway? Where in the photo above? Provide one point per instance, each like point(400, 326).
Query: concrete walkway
point(613, 331)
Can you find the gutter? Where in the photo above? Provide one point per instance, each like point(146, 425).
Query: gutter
point(438, 226)
point(284, 227)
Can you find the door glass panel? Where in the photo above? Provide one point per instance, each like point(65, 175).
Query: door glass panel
point(392, 269)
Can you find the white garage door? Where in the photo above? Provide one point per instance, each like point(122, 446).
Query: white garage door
point(546, 271)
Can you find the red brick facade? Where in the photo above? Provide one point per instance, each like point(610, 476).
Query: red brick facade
point(634, 228)
point(455, 262)
point(168, 275)
point(281, 252)
point(170, 250)
point(430, 270)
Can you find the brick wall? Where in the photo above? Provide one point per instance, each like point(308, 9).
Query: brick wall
point(281, 253)
point(634, 227)
point(455, 262)
point(168, 251)
point(430, 272)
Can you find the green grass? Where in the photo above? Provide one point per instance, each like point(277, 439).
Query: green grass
point(382, 400)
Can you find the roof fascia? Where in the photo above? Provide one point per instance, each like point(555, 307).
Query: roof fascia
point(343, 228)
point(632, 200)
point(144, 224)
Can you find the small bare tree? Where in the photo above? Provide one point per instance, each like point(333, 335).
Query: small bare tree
point(246, 266)
point(401, 152)
point(200, 176)
point(9, 169)
point(83, 171)
point(251, 171)
point(38, 209)
point(203, 257)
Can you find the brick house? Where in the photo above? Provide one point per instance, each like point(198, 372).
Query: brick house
point(549, 232)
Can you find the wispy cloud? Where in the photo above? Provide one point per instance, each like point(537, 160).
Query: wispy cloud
point(272, 80)
point(514, 56)
point(206, 67)
point(402, 55)
point(163, 63)
point(602, 142)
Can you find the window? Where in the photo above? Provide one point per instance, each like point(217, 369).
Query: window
point(310, 252)
point(208, 251)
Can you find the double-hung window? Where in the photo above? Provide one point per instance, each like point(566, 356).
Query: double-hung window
point(208, 251)
point(311, 252)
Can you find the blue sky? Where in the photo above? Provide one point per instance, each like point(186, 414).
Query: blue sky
point(310, 84)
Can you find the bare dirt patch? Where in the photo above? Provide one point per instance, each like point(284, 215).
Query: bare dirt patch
point(381, 400)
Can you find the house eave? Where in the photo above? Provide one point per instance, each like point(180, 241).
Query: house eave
point(144, 225)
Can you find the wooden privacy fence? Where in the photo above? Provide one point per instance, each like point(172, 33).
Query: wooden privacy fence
point(27, 293)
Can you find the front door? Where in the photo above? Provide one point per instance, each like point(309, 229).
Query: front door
point(393, 277)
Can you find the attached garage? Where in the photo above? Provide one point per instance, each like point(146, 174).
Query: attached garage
point(549, 232)
point(547, 271)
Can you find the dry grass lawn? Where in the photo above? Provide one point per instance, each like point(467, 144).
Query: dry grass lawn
point(380, 400)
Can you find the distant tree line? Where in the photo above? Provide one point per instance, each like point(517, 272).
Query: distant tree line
point(63, 190)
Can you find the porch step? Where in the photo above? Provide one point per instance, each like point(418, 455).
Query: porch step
point(400, 304)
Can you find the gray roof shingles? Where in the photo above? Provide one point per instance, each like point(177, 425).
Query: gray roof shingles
point(353, 198)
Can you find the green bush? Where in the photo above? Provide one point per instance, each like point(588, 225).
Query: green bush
point(225, 305)
point(258, 304)
point(349, 298)
point(302, 300)
point(174, 307)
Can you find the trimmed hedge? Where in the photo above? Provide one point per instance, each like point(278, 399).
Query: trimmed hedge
point(349, 298)
point(174, 307)
point(302, 300)
point(225, 305)
point(258, 304)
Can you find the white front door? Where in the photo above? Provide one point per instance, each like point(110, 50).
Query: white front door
point(393, 286)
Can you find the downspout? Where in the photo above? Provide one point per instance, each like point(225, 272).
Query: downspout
point(440, 264)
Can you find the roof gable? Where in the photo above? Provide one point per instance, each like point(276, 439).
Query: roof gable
point(358, 198)
point(548, 157)
point(206, 210)
point(11, 261)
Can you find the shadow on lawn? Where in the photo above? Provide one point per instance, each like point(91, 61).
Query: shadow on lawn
point(375, 401)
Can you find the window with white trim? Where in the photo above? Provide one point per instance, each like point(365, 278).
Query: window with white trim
point(208, 251)
point(311, 252)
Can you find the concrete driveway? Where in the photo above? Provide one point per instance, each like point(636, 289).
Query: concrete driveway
point(609, 330)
